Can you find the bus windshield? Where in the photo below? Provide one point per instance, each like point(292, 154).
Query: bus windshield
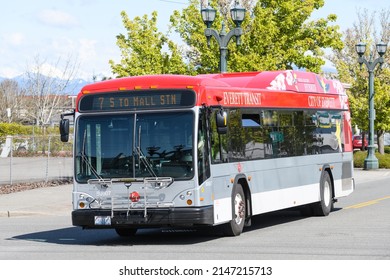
point(135, 146)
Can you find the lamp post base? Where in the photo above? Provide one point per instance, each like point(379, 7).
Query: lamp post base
point(371, 163)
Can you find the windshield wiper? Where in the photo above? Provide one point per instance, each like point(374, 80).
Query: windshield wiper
point(141, 156)
point(86, 160)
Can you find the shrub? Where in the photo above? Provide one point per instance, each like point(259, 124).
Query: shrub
point(13, 129)
point(360, 156)
point(34, 141)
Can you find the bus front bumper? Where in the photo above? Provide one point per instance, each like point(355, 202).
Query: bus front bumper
point(96, 218)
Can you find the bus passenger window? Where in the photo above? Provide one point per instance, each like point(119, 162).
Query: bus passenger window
point(203, 151)
point(218, 142)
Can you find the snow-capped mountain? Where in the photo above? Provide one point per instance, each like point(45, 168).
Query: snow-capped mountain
point(72, 88)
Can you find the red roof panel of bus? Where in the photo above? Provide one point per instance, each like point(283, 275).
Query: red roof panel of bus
point(289, 80)
point(148, 81)
point(268, 88)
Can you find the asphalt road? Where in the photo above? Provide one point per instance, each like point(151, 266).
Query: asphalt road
point(37, 225)
point(37, 240)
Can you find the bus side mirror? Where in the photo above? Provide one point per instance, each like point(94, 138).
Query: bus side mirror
point(64, 130)
point(221, 121)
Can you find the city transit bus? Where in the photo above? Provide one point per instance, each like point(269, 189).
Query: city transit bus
point(208, 150)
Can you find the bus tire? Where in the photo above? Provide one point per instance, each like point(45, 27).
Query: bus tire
point(126, 232)
point(236, 225)
point(325, 205)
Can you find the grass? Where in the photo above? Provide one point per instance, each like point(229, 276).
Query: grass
point(360, 156)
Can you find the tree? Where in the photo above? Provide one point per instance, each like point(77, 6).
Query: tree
point(369, 31)
point(10, 101)
point(277, 35)
point(45, 88)
point(142, 50)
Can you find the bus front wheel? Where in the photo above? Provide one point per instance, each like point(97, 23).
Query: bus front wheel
point(236, 225)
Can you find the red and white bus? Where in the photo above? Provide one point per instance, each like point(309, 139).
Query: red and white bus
point(208, 150)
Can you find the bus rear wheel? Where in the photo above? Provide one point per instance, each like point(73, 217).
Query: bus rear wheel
point(325, 205)
point(126, 232)
point(236, 225)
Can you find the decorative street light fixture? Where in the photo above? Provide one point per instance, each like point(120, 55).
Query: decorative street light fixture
point(237, 14)
point(371, 162)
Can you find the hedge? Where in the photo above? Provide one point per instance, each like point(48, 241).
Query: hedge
point(360, 156)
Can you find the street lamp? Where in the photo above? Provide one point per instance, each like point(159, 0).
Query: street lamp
point(371, 162)
point(237, 14)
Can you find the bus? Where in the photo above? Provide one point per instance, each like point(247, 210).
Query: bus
point(211, 150)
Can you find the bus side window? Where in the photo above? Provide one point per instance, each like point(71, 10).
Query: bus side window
point(203, 150)
point(218, 142)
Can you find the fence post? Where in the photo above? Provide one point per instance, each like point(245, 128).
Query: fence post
point(10, 161)
point(47, 162)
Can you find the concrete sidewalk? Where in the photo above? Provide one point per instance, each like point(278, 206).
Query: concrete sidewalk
point(57, 200)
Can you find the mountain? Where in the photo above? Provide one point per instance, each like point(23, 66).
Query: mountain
point(73, 87)
point(76, 85)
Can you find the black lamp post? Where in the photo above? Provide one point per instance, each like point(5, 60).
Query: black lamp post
point(371, 162)
point(208, 15)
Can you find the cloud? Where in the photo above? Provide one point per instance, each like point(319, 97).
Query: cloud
point(87, 49)
point(9, 72)
point(16, 39)
point(57, 18)
point(11, 39)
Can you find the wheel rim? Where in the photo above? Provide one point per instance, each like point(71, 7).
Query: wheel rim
point(239, 209)
point(327, 193)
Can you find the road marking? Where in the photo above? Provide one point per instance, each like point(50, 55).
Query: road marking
point(367, 203)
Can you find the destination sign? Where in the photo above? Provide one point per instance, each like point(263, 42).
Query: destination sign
point(137, 100)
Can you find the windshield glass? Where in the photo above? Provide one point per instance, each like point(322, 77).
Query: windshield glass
point(135, 146)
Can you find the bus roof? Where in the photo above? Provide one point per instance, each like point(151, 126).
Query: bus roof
point(287, 80)
point(283, 89)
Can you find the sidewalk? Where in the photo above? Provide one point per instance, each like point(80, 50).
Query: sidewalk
point(57, 201)
point(362, 176)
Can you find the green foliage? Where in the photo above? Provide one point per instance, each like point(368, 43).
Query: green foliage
point(349, 71)
point(142, 49)
point(31, 141)
point(277, 35)
point(13, 129)
point(360, 156)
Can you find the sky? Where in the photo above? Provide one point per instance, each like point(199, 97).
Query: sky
point(84, 31)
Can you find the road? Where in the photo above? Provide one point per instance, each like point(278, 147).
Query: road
point(282, 243)
point(358, 229)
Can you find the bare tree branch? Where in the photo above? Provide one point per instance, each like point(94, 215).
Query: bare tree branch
point(45, 87)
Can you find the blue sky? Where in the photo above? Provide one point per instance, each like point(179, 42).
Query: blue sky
point(86, 29)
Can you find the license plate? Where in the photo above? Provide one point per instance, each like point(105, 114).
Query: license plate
point(102, 220)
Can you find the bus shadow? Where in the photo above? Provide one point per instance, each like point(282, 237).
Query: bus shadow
point(274, 218)
point(95, 237)
point(278, 218)
point(171, 236)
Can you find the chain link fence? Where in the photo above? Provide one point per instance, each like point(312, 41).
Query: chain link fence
point(32, 158)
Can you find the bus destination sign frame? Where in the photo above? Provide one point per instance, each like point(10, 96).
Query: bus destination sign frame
point(136, 100)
